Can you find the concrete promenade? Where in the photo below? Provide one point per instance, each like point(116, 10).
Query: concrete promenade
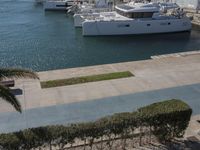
point(154, 80)
point(149, 75)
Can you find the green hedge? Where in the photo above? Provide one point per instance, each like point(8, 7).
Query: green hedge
point(165, 120)
point(85, 79)
point(169, 118)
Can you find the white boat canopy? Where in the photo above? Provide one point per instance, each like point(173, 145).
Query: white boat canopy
point(138, 7)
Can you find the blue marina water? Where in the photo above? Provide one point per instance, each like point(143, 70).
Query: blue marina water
point(31, 38)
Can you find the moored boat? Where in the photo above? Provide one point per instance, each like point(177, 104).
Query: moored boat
point(137, 18)
point(88, 10)
point(57, 4)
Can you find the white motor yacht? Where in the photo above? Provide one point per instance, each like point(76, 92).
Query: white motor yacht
point(136, 18)
point(57, 4)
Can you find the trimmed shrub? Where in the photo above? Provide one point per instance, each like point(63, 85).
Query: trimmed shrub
point(9, 141)
point(166, 120)
point(169, 118)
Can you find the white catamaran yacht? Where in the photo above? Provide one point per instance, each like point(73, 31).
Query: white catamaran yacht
point(136, 18)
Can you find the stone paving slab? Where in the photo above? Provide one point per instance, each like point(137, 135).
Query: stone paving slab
point(176, 54)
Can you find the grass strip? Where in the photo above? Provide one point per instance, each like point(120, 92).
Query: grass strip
point(85, 79)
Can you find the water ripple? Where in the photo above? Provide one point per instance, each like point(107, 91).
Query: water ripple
point(31, 38)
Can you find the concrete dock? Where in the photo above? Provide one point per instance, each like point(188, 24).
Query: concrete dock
point(149, 75)
point(154, 80)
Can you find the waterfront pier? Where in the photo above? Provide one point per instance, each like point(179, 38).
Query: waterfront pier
point(153, 74)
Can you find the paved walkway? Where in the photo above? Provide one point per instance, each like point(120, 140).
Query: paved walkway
point(149, 75)
point(96, 108)
point(154, 80)
point(194, 127)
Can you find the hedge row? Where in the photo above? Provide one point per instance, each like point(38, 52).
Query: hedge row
point(86, 79)
point(165, 120)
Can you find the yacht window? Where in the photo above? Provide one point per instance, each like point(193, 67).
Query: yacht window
point(60, 5)
point(129, 15)
point(136, 14)
point(169, 23)
point(142, 15)
point(148, 25)
point(147, 14)
point(123, 25)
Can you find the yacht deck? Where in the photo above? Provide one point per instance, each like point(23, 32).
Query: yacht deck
point(106, 16)
point(111, 16)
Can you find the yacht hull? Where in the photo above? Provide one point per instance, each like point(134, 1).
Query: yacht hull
point(128, 27)
point(57, 5)
point(51, 5)
point(78, 20)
